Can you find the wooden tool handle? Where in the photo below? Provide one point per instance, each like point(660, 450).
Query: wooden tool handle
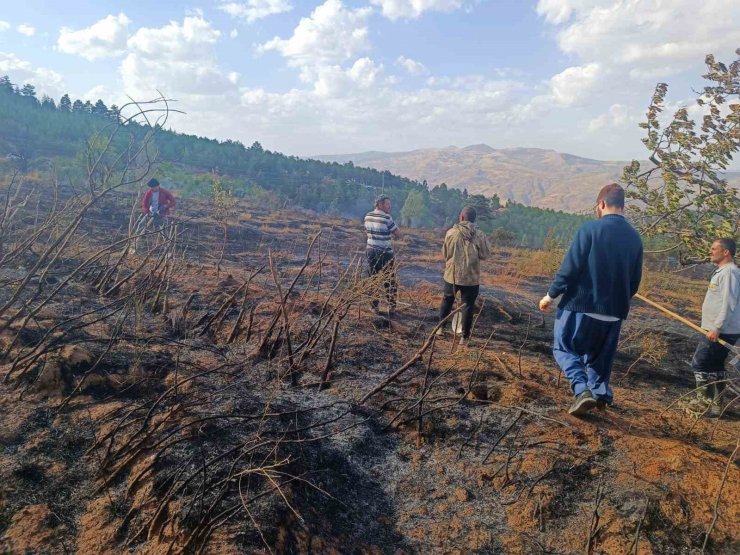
point(689, 323)
point(670, 313)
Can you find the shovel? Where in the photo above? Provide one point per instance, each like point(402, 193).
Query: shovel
point(735, 362)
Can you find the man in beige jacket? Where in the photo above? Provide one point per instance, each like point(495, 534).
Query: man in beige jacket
point(465, 246)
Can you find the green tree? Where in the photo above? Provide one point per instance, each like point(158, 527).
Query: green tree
point(47, 103)
point(29, 91)
point(415, 212)
point(685, 196)
point(65, 104)
point(100, 109)
point(6, 85)
point(482, 209)
point(78, 107)
point(114, 113)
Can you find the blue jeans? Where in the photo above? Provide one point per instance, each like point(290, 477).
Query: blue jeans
point(584, 348)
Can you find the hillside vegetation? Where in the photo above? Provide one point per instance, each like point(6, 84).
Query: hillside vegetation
point(44, 135)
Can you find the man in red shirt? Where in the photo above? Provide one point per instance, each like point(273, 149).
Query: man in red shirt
point(156, 204)
point(157, 201)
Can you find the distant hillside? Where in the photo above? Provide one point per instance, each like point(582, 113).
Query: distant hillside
point(532, 176)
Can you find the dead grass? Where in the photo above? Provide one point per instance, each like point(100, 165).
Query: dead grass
point(501, 468)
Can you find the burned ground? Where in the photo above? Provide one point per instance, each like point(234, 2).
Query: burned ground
point(152, 404)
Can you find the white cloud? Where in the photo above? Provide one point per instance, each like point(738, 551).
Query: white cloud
point(20, 72)
point(356, 109)
point(27, 30)
point(174, 39)
point(331, 34)
point(104, 38)
point(234, 33)
point(176, 59)
point(623, 47)
point(4, 25)
point(364, 72)
point(252, 10)
point(651, 37)
point(575, 83)
point(473, 82)
point(559, 11)
point(411, 9)
point(98, 92)
point(411, 66)
point(618, 116)
point(335, 82)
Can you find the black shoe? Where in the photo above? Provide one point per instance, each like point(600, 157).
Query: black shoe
point(584, 402)
point(601, 404)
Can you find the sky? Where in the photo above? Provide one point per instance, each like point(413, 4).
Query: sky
point(307, 77)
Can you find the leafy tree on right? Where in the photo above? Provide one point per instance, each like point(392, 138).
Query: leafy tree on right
point(685, 198)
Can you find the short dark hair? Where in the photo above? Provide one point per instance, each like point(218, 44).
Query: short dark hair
point(381, 199)
point(469, 214)
point(612, 195)
point(728, 244)
point(153, 182)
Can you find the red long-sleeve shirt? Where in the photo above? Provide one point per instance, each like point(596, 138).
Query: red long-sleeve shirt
point(166, 201)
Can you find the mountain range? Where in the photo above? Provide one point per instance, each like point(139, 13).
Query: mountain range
point(532, 176)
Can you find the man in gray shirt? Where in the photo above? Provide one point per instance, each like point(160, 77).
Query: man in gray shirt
point(720, 317)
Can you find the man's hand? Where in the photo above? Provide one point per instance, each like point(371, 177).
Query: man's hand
point(545, 303)
point(713, 335)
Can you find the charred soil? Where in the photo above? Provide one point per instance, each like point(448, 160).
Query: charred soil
point(152, 404)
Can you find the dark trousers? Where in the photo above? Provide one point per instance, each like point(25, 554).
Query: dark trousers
point(382, 261)
point(468, 294)
point(709, 359)
point(584, 348)
point(160, 224)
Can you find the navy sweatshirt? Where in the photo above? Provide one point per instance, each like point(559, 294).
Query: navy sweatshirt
point(602, 269)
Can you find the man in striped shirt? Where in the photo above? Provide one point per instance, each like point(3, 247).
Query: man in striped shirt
point(380, 227)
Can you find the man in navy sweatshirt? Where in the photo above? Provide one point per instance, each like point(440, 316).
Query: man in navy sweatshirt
point(598, 277)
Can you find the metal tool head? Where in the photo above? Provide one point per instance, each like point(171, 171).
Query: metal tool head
point(734, 350)
point(735, 362)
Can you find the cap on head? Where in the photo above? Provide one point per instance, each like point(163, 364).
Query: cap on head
point(381, 199)
point(153, 183)
point(612, 195)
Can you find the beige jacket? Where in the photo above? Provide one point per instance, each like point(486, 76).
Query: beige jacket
point(465, 246)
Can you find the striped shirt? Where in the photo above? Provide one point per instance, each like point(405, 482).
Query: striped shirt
point(379, 227)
